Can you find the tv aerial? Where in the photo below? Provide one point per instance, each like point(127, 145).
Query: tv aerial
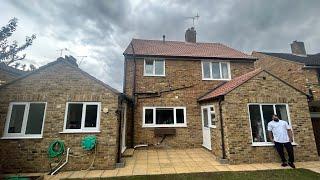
point(196, 17)
point(61, 50)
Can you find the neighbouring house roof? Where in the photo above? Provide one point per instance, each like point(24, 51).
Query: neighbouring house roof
point(308, 60)
point(68, 62)
point(143, 47)
point(228, 86)
point(11, 70)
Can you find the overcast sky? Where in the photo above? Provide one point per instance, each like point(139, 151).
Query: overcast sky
point(101, 30)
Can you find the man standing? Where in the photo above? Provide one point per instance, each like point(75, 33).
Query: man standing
point(281, 135)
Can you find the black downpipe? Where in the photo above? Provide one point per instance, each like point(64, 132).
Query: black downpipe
point(224, 156)
point(133, 95)
point(119, 114)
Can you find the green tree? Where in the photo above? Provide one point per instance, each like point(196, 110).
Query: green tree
point(9, 51)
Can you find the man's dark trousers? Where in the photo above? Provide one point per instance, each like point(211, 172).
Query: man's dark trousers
point(289, 148)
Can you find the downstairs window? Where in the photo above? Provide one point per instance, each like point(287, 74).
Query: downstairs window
point(82, 117)
point(260, 115)
point(25, 120)
point(164, 117)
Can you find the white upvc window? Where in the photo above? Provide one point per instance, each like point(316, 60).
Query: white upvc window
point(209, 116)
point(25, 120)
point(260, 114)
point(215, 70)
point(154, 67)
point(164, 117)
point(82, 117)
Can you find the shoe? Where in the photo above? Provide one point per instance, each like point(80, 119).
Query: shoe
point(291, 165)
point(284, 164)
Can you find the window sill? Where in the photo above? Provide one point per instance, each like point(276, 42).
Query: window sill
point(74, 132)
point(21, 137)
point(159, 126)
point(205, 79)
point(146, 75)
point(268, 144)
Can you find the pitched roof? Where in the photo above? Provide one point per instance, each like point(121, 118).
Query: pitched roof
point(68, 62)
point(230, 85)
point(11, 70)
point(308, 60)
point(227, 87)
point(143, 47)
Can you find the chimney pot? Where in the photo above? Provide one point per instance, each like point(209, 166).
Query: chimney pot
point(297, 48)
point(163, 38)
point(191, 35)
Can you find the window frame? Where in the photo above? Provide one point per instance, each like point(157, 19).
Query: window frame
point(175, 124)
point(211, 78)
point(22, 134)
point(209, 114)
point(154, 67)
point(83, 116)
point(263, 124)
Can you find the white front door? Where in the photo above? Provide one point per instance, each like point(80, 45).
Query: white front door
point(205, 110)
point(123, 139)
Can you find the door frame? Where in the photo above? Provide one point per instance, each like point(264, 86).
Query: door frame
point(209, 125)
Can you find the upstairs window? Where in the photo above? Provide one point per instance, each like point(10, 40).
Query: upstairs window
point(164, 117)
point(82, 117)
point(215, 70)
point(154, 67)
point(25, 120)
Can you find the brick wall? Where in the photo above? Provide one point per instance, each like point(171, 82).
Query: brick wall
point(57, 85)
point(292, 72)
point(179, 73)
point(6, 77)
point(238, 132)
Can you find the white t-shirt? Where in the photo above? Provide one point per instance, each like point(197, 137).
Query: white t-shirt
point(279, 130)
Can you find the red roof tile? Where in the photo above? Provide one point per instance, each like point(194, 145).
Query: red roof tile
point(230, 85)
point(183, 49)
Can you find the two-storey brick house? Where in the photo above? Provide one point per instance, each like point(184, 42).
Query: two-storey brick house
point(169, 82)
point(300, 69)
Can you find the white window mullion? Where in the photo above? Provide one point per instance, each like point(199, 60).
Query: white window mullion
point(25, 119)
point(263, 127)
point(211, 75)
point(220, 70)
point(229, 70)
point(84, 106)
point(174, 116)
point(154, 116)
point(154, 67)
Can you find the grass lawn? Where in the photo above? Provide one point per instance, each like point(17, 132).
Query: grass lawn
point(291, 174)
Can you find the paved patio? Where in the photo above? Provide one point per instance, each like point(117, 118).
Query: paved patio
point(146, 162)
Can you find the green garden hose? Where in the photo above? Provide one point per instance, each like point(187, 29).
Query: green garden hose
point(89, 142)
point(56, 149)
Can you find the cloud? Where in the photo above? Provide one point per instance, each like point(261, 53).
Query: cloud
point(101, 30)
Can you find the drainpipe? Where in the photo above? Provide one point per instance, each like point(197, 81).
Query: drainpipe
point(67, 160)
point(133, 95)
point(224, 156)
point(119, 118)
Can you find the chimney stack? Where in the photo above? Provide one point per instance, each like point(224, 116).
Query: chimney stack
point(297, 48)
point(71, 60)
point(191, 35)
point(164, 38)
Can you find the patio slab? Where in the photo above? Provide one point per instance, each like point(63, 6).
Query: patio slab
point(172, 161)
